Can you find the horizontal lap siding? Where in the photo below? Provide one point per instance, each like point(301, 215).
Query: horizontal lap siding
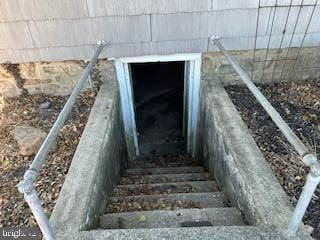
point(15, 35)
point(287, 2)
point(231, 4)
point(53, 30)
point(55, 33)
point(181, 26)
point(138, 7)
point(120, 50)
point(19, 10)
point(241, 43)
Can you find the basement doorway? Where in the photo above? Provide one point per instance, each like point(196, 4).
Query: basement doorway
point(159, 102)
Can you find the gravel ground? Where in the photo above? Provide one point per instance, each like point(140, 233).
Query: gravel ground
point(26, 111)
point(299, 105)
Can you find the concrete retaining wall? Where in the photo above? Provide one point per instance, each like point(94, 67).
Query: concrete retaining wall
point(95, 168)
point(232, 156)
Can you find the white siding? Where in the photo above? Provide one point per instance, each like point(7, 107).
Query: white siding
point(15, 35)
point(16, 10)
point(138, 7)
point(52, 30)
point(75, 32)
point(231, 4)
point(180, 26)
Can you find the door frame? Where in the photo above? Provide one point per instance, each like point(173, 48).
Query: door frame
point(191, 97)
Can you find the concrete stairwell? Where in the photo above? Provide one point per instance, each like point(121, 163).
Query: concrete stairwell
point(171, 197)
point(172, 194)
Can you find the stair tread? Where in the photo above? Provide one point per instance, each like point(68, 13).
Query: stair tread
point(173, 219)
point(165, 170)
point(144, 165)
point(165, 188)
point(192, 233)
point(167, 202)
point(165, 178)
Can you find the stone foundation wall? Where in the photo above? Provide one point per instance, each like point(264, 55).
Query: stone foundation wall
point(55, 78)
point(59, 78)
point(307, 65)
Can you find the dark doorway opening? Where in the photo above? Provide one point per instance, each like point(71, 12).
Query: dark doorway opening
point(158, 94)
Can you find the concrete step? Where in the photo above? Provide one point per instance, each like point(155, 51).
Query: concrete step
point(173, 219)
point(165, 188)
point(161, 164)
point(163, 161)
point(166, 158)
point(165, 178)
point(170, 170)
point(166, 202)
point(192, 233)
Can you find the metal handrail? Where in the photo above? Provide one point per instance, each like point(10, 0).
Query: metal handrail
point(26, 186)
point(308, 158)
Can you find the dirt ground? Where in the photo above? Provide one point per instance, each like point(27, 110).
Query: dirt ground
point(299, 105)
point(26, 111)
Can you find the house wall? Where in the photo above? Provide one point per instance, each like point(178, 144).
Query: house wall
point(57, 30)
point(43, 44)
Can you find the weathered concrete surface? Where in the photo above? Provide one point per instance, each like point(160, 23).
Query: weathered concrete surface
point(171, 170)
point(168, 178)
point(231, 155)
point(205, 200)
point(95, 167)
point(172, 219)
point(162, 188)
point(203, 233)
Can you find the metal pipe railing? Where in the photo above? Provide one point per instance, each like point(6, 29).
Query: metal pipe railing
point(26, 186)
point(308, 158)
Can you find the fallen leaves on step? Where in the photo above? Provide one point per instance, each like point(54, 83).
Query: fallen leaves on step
point(142, 205)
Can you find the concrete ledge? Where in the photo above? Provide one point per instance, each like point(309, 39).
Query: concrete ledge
point(95, 167)
point(231, 154)
point(203, 233)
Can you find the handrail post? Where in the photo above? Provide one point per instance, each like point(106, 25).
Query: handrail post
point(34, 203)
point(313, 180)
point(308, 158)
point(26, 186)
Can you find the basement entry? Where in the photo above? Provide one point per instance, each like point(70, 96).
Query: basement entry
point(159, 102)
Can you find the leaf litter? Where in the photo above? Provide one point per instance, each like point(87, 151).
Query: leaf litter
point(299, 104)
point(39, 111)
